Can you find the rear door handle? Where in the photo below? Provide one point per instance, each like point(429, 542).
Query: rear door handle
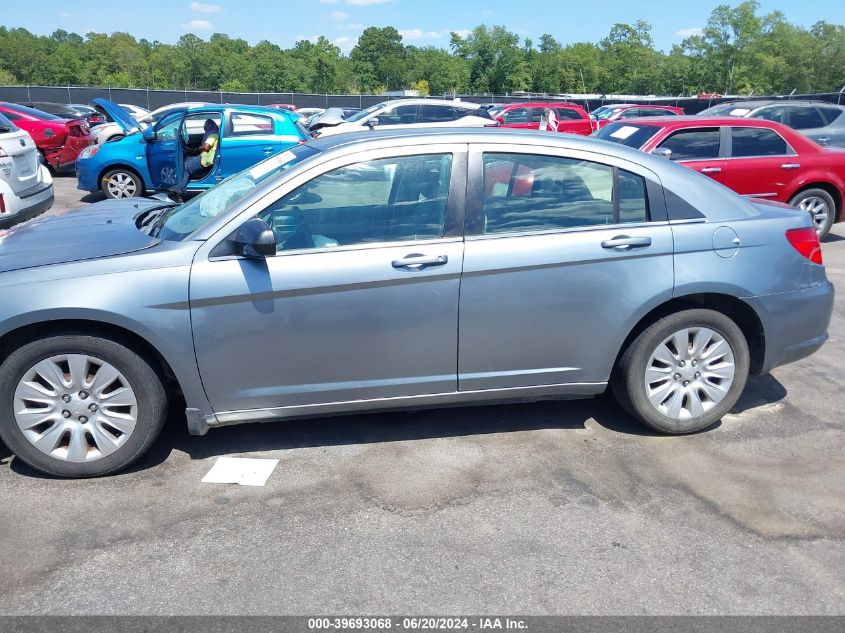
point(625, 243)
point(417, 261)
point(789, 166)
point(824, 140)
point(711, 170)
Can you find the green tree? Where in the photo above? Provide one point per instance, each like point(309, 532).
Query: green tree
point(379, 58)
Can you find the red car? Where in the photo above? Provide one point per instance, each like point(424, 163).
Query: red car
point(59, 140)
point(571, 118)
point(754, 157)
point(607, 113)
point(283, 106)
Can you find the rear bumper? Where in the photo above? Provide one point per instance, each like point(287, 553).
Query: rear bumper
point(32, 202)
point(795, 323)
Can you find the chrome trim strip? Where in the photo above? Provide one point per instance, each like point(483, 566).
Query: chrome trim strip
point(540, 392)
point(759, 195)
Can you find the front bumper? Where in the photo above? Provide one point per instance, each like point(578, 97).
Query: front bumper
point(795, 323)
point(86, 175)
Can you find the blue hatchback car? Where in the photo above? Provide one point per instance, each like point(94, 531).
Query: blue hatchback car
point(152, 158)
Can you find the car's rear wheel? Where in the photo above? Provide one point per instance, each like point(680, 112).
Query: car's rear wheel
point(684, 372)
point(821, 207)
point(122, 183)
point(79, 406)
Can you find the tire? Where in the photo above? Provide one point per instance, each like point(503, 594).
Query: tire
point(78, 439)
point(704, 397)
point(122, 183)
point(821, 207)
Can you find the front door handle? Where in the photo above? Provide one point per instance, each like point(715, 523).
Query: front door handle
point(789, 166)
point(626, 243)
point(416, 261)
point(824, 140)
point(711, 170)
point(267, 150)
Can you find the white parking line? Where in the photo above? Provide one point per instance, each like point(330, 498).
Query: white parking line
point(244, 471)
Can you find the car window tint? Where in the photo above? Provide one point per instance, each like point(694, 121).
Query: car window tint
point(536, 114)
point(633, 199)
point(398, 115)
point(655, 112)
point(526, 193)
point(755, 141)
point(695, 144)
point(436, 113)
point(517, 115)
point(387, 200)
point(805, 118)
point(830, 114)
point(568, 114)
point(630, 113)
point(251, 125)
point(778, 114)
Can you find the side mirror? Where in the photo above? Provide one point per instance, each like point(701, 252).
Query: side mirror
point(149, 134)
point(500, 120)
point(662, 152)
point(373, 122)
point(255, 239)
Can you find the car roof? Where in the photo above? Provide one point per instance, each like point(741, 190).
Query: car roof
point(702, 121)
point(415, 101)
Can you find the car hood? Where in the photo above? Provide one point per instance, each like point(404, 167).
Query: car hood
point(99, 230)
point(117, 114)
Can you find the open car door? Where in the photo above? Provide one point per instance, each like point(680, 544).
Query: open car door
point(164, 150)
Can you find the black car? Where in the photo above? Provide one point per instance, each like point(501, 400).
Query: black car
point(69, 111)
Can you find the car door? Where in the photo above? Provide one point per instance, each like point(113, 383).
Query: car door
point(361, 300)
point(699, 148)
point(565, 250)
point(833, 133)
point(248, 139)
point(760, 163)
point(164, 151)
point(523, 118)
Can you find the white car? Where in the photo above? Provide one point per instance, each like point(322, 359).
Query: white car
point(136, 111)
point(405, 113)
point(26, 187)
point(107, 132)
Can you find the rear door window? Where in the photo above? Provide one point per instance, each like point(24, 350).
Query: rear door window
point(778, 114)
point(568, 114)
point(694, 144)
point(754, 141)
point(251, 125)
point(805, 118)
point(436, 113)
point(526, 193)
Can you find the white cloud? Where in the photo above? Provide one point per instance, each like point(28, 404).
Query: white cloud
point(338, 15)
point(198, 25)
point(418, 34)
point(361, 3)
point(461, 32)
point(695, 30)
point(202, 7)
point(311, 38)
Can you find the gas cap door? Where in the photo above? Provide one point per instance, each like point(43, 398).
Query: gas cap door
point(725, 242)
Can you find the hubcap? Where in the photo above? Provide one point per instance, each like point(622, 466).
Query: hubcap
point(818, 210)
point(689, 373)
point(121, 185)
point(75, 408)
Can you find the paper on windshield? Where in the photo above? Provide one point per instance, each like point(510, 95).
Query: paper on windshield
point(740, 111)
point(265, 167)
point(624, 132)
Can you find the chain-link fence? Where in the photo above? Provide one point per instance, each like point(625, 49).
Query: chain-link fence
point(151, 99)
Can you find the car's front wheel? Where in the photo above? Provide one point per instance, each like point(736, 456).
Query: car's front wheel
point(684, 372)
point(821, 207)
point(122, 183)
point(79, 406)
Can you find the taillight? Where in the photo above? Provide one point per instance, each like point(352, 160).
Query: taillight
point(806, 242)
point(2, 204)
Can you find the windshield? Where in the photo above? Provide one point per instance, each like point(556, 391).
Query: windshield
point(605, 113)
point(625, 134)
point(6, 125)
point(730, 109)
point(177, 223)
point(38, 114)
point(365, 113)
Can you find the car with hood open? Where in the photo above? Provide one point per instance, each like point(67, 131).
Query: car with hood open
point(400, 270)
point(151, 158)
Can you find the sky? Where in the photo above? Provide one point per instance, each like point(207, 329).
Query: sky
point(421, 22)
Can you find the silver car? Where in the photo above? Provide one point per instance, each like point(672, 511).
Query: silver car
point(397, 270)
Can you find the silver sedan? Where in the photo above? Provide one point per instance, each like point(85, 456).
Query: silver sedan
point(400, 270)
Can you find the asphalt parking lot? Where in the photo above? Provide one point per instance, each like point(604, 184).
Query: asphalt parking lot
point(553, 508)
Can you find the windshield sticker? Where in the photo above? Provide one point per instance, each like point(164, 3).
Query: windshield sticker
point(624, 132)
point(265, 167)
point(739, 111)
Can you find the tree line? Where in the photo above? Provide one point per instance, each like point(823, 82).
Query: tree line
point(739, 51)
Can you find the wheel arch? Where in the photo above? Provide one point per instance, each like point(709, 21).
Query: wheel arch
point(830, 188)
point(735, 309)
point(121, 165)
point(24, 334)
